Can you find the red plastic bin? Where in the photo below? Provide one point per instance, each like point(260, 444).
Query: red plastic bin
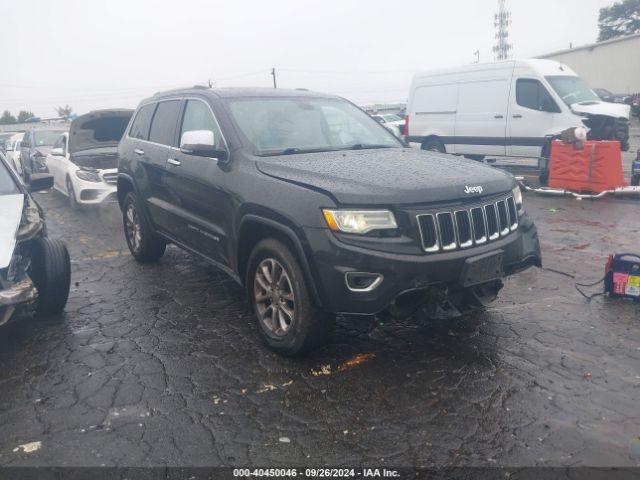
point(594, 168)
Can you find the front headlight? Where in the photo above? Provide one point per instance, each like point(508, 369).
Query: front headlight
point(88, 175)
point(517, 196)
point(359, 221)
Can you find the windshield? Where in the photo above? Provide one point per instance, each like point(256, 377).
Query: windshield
point(392, 118)
point(46, 138)
point(276, 126)
point(572, 89)
point(7, 183)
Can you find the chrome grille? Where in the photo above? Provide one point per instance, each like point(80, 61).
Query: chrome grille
point(428, 233)
point(463, 222)
point(503, 217)
point(479, 226)
point(449, 230)
point(110, 177)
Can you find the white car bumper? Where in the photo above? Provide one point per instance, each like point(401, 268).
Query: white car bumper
point(92, 193)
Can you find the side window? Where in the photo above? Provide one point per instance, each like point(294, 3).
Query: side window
point(142, 122)
point(532, 94)
point(163, 125)
point(197, 116)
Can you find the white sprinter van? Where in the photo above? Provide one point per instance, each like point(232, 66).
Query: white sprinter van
point(508, 108)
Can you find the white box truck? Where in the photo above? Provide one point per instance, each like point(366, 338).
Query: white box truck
point(508, 108)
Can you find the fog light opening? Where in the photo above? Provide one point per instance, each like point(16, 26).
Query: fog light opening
point(362, 281)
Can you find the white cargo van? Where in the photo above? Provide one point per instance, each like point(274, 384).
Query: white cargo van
point(507, 108)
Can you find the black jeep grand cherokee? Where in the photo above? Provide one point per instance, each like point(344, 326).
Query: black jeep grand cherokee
point(316, 208)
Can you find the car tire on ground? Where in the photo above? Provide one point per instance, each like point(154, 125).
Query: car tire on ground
point(433, 145)
point(71, 193)
point(144, 244)
point(51, 274)
point(635, 180)
point(287, 318)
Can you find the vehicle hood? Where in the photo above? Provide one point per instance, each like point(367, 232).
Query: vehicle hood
point(99, 158)
point(100, 128)
point(615, 110)
point(11, 208)
point(387, 176)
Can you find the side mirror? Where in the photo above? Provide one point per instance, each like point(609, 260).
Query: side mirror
point(40, 181)
point(57, 152)
point(202, 144)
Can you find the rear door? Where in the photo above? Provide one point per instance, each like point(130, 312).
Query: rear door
point(481, 117)
point(200, 202)
point(533, 112)
point(149, 159)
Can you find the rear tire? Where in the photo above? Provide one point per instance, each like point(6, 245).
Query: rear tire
point(51, 274)
point(144, 244)
point(433, 145)
point(289, 322)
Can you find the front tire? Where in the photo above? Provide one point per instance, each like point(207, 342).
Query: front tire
point(433, 145)
point(144, 244)
point(51, 274)
point(289, 322)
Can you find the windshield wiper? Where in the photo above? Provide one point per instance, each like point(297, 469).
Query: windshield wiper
point(296, 150)
point(364, 146)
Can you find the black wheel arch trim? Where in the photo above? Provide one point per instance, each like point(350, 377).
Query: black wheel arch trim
point(129, 179)
point(295, 240)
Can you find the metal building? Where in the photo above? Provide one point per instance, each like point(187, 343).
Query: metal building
point(613, 64)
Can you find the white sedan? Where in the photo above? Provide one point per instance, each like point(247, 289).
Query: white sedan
point(13, 152)
point(84, 161)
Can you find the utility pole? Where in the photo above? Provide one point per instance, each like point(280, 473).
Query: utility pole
point(501, 22)
point(273, 74)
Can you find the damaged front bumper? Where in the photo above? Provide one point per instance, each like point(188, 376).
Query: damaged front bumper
point(15, 297)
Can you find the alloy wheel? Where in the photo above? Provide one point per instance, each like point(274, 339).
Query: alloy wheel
point(274, 297)
point(134, 229)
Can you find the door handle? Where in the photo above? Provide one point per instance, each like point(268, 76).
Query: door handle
point(517, 115)
point(498, 116)
point(174, 162)
point(138, 151)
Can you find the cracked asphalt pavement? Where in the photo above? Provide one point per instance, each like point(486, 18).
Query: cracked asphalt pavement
point(162, 365)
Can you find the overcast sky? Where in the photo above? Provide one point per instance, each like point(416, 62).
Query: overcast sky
point(100, 54)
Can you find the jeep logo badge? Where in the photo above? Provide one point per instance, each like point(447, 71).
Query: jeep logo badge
point(468, 189)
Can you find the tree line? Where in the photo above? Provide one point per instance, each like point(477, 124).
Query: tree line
point(618, 20)
point(25, 115)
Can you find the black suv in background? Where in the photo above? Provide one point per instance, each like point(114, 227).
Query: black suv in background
point(316, 208)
